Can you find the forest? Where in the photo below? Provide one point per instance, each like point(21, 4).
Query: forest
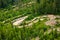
point(29, 19)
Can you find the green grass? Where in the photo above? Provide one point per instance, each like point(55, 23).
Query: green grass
point(8, 32)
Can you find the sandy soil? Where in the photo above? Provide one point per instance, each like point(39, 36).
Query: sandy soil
point(19, 20)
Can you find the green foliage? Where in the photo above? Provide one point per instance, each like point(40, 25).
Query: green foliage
point(4, 3)
point(10, 32)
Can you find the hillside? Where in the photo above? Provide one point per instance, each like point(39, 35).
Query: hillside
point(29, 20)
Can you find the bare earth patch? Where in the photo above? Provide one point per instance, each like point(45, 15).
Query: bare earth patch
point(52, 21)
point(19, 20)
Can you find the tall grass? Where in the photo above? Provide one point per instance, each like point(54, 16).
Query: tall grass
point(8, 32)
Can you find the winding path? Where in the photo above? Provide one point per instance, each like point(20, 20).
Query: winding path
point(19, 20)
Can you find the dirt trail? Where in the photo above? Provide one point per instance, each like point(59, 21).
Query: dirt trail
point(25, 4)
point(35, 20)
point(52, 21)
point(19, 20)
point(28, 3)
